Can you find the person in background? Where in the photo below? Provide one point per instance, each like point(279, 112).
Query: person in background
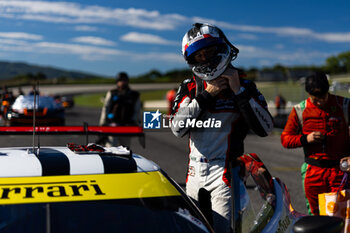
point(34, 91)
point(122, 107)
point(7, 99)
point(319, 124)
point(20, 91)
point(170, 96)
point(280, 104)
point(216, 92)
point(7, 94)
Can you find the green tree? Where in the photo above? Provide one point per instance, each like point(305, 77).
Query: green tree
point(179, 75)
point(338, 64)
point(40, 76)
point(344, 60)
point(333, 65)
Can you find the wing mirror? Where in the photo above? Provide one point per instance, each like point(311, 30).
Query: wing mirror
point(319, 224)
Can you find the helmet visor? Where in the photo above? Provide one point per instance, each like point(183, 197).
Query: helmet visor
point(208, 66)
point(212, 66)
point(200, 44)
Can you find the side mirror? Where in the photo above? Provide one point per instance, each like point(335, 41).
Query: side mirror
point(319, 224)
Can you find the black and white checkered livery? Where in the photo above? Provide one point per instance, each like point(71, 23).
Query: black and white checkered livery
point(54, 161)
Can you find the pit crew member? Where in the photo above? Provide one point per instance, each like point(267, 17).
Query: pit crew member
point(319, 124)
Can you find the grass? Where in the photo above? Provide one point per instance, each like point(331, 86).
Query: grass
point(293, 92)
point(89, 100)
point(153, 95)
point(290, 91)
point(96, 100)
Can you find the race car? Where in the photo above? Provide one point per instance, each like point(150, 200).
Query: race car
point(89, 188)
point(47, 111)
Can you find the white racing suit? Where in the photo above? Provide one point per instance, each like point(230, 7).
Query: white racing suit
point(212, 148)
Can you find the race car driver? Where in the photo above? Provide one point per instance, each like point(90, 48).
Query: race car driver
point(216, 108)
point(319, 124)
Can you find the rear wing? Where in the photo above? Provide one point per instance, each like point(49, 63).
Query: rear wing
point(132, 131)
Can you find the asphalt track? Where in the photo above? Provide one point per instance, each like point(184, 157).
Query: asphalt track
point(170, 153)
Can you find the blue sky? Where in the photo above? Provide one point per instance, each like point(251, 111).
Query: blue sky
point(108, 36)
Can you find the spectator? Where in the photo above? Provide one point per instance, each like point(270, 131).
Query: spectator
point(34, 90)
point(7, 94)
point(7, 99)
point(280, 104)
point(20, 91)
point(319, 124)
point(121, 107)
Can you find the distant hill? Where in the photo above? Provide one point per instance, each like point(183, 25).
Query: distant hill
point(9, 70)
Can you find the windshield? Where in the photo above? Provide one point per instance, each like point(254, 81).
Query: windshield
point(258, 206)
point(254, 167)
point(165, 214)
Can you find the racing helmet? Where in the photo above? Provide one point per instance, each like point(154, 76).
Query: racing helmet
point(204, 36)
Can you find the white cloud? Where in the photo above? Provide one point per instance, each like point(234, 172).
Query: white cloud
point(84, 51)
point(20, 35)
point(247, 36)
point(246, 49)
point(280, 56)
point(136, 37)
point(333, 37)
point(85, 28)
point(164, 57)
point(20, 47)
point(93, 40)
point(281, 31)
point(279, 46)
point(64, 12)
point(12, 42)
point(74, 13)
